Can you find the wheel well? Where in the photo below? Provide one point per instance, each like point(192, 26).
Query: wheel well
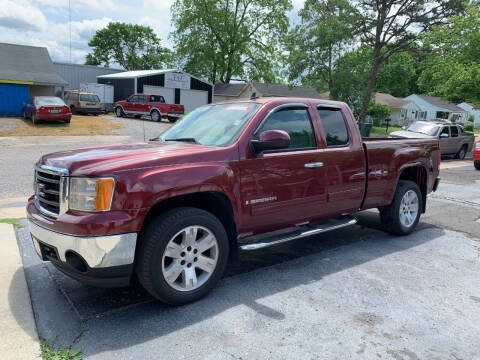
point(214, 202)
point(151, 111)
point(418, 175)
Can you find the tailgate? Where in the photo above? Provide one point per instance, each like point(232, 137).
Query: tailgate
point(177, 109)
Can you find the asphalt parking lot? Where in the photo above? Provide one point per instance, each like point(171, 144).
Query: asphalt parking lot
point(348, 294)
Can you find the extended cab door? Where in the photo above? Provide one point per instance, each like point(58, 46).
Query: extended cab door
point(129, 104)
point(445, 140)
point(284, 187)
point(141, 107)
point(344, 160)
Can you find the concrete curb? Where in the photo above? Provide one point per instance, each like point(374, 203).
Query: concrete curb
point(19, 334)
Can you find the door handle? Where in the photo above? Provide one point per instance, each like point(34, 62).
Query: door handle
point(314, 165)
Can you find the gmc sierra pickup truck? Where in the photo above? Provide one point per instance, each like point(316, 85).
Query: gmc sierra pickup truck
point(228, 177)
point(139, 105)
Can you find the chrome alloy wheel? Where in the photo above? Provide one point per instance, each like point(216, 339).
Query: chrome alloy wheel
point(155, 116)
point(409, 208)
point(190, 258)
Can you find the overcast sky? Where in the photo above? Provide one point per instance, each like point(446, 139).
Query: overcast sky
point(45, 22)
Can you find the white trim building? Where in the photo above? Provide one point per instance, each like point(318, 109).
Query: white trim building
point(433, 107)
point(472, 110)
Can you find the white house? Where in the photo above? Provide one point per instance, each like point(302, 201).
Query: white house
point(472, 111)
point(402, 112)
point(433, 107)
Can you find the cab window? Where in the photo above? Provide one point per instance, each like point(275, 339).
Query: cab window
point(454, 131)
point(141, 98)
point(296, 122)
point(157, 99)
point(336, 133)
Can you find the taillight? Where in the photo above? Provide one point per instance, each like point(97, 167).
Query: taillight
point(42, 110)
point(65, 109)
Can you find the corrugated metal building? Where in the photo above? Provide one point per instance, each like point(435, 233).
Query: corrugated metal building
point(74, 74)
point(25, 71)
point(177, 87)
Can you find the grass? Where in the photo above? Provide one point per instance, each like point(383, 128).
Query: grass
point(379, 131)
point(79, 125)
point(48, 353)
point(11, 221)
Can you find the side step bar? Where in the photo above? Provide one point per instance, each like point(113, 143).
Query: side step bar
point(306, 230)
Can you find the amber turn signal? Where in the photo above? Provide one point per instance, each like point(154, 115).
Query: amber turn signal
point(104, 190)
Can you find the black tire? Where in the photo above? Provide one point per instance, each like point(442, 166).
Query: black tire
point(155, 116)
point(25, 115)
point(95, 114)
point(137, 116)
point(462, 152)
point(476, 163)
point(390, 215)
point(152, 245)
point(119, 112)
point(172, 119)
point(67, 121)
point(72, 110)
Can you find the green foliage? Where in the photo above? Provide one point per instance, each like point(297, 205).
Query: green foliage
point(397, 75)
point(452, 70)
point(468, 127)
point(48, 353)
point(223, 39)
point(315, 46)
point(134, 47)
point(378, 112)
point(11, 221)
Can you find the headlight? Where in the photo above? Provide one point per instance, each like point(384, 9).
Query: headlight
point(89, 194)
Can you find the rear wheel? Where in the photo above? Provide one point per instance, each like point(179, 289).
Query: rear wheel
point(402, 215)
point(155, 116)
point(182, 255)
point(172, 119)
point(119, 112)
point(25, 115)
point(462, 152)
point(476, 163)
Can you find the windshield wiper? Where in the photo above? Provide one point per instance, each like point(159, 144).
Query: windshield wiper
point(185, 139)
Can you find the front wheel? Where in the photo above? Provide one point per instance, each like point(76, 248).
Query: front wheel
point(476, 163)
point(119, 112)
point(182, 255)
point(402, 215)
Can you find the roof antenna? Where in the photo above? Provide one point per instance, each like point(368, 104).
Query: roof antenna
point(254, 96)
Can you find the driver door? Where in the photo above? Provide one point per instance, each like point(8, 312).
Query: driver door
point(284, 187)
point(130, 104)
point(445, 140)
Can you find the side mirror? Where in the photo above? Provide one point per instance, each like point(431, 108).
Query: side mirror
point(443, 135)
point(404, 127)
point(270, 140)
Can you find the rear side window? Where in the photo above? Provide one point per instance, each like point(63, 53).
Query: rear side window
point(89, 97)
point(141, 98)
point(454, 131)
point(336, 133)
point(157, 99)
point(296, 122)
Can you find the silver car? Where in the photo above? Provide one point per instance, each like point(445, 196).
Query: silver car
point(453, 139)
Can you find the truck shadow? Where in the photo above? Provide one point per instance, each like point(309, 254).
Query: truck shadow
point(99, 320)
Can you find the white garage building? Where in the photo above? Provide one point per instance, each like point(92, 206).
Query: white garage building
point(177, 87)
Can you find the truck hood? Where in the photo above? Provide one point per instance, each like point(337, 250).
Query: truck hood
point(116, 157)
point(410, 134)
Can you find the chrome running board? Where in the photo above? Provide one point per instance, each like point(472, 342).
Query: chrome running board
point(262, 241)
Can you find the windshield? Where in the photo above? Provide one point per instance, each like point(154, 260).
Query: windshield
point(212, 125)
point(89, 97)
point(427, 129)
point(44, 101)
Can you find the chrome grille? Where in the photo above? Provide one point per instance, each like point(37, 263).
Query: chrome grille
point(50, 189)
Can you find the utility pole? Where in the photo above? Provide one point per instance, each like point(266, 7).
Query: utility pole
point(70, 28)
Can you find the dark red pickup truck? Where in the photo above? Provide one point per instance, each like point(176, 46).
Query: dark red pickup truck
point(239, 175)
point(148, 105)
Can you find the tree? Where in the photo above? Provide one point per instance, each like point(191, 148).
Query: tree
point(314, 47)
point(398, 75)
point(378, 112)
point(391, 26)
point(133, 47)
point(452, 70)
point(222, 39)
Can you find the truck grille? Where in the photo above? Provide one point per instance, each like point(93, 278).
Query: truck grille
point(49, 185)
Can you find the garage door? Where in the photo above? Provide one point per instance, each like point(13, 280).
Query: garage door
point(167, 93)
point(192, 99)
point(12, 98)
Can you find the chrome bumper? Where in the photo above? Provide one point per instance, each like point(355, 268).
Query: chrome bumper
point(97, 251)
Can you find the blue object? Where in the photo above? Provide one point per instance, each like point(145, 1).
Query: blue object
point(12, 99)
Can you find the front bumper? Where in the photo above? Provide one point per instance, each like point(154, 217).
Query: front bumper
point(89, 110)
point(96, 260)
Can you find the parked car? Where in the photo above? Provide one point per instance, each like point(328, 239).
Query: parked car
point(83, 102)
point(46, 108)
point(453, 139)
point(476, 155)
point(149, 105)
point(238, 175)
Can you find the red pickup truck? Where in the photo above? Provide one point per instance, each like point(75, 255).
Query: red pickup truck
point(148, 105)
point(236, 175)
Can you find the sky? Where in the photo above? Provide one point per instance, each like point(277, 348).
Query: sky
point(46, 22)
